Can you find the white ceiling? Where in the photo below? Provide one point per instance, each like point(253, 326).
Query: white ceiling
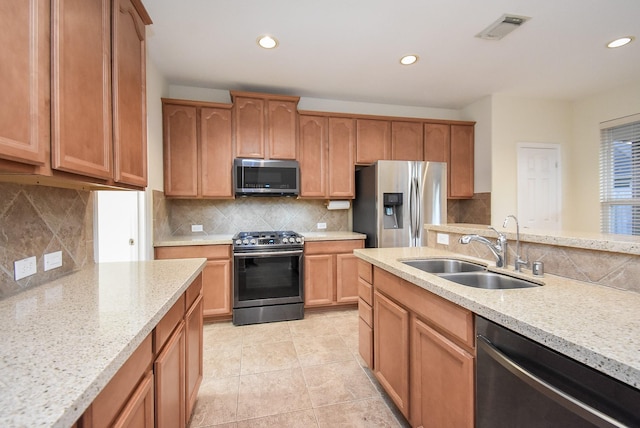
point(350, 49)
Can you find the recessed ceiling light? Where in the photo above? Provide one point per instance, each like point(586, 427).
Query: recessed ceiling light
point(408, 59)
point(267, 42)
point(620, 42)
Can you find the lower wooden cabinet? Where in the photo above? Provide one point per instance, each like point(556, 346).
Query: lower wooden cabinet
point(424, 351)
point(216, 277)
point(331, 272)
point(139, 410)
point(365, 312)
point(194, 352)
point(170, 382)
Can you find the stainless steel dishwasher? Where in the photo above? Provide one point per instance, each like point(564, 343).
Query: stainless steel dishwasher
point(522, 384)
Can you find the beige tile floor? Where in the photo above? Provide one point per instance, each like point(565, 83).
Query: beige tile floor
point(304, 373)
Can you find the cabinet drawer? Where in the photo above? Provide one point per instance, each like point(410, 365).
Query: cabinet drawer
point(194, 251)
point(365, 312)
point(365, 291)
point(192, 293)
point(108, 404)
point(333, 247)
point(365, 271)
point(365, 342)
point(168, 323)
point(443, 315)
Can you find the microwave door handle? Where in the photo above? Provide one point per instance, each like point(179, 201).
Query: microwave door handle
point(576, 406)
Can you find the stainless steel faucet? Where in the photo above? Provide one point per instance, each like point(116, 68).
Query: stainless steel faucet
point(518, 263)
point(499, 249)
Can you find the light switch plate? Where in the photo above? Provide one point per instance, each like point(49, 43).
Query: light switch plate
point(196, 228)
point(25, 267)
point(52, 260)
point(442, 238)
point(322, 225)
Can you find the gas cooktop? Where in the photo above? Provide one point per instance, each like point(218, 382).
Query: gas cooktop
point(267, 240)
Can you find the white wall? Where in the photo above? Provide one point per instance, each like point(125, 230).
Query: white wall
point(583, 201)
point(516, 120)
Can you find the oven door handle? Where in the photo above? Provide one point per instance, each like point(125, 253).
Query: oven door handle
point(267, 254)
point(585, 411)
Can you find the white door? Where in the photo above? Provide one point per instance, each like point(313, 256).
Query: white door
point(539, 191)
point(117, 226)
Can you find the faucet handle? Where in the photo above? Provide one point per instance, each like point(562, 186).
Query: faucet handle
point(501, 236)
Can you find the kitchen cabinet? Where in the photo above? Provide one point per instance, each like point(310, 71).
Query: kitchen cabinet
point(265, 125)
point(373, 140)
point(197, 149)
point(326, 151)
point(216, 276)
point(423, 353)
point(330, 272)
point(454, 144)
point(87, 127)
point(24, 85)
point(365, 312)
point(406, 141)
point(193, 343)
point(169, 369)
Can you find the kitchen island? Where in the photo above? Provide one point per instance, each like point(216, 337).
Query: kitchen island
point(63, 341)
point(596, 325)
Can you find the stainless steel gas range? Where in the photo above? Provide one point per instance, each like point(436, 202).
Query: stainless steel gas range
point(268, 277)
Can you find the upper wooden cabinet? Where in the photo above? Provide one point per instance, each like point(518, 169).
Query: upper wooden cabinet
point(373, 140)
point(454, 144)
point(406, 141)
point(326, 153)
point(24, 80)
point(89, 125)
point(197, 149)
point(265, 125)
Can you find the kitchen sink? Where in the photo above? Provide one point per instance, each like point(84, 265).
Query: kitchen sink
point(438, 266)
point(488, 280)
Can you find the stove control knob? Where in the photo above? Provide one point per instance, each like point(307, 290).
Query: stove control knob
point(245, 241)
point(238, 241)
point(253, 242)
point(298, 240)
point(285, 240)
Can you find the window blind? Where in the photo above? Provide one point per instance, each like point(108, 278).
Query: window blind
point(620, 177)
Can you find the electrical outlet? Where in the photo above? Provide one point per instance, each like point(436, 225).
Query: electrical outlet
point(196, 228)
point(442, 238)
point(25, 267)
point(322, 225)
point(52, 260)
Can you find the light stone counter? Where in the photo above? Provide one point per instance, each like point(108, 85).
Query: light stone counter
point(63, 341)
point(588, 241)
point(593, 324)
point(181, 241)
point(332, 236)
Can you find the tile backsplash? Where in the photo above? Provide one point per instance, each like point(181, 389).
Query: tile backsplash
point(174, 217)
point(35, 220)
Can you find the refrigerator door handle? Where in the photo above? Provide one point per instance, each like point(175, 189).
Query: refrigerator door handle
point(418, 217)
point(414, 211)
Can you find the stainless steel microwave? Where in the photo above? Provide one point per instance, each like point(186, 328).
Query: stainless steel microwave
point(258, 177)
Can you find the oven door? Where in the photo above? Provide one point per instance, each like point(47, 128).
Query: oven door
point(267, 278)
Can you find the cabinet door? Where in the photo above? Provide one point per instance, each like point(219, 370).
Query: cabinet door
point(461, 162)
point(81, 86)
point(24, 80)
point(313, 156)
point(365, 342)
point(436, 142)
point(442, 387)
point(180, 150)
point(406, 141)
point(282, 129)
point(373, 140)
point(341, 174)
point(215, 152)
point(216, 284)
point(129, 95)
point(193, 356)
point(391, 349)
point(319, 279)
point(346, 278)
point(169, 369)
point(249, 127)
point(138, 412)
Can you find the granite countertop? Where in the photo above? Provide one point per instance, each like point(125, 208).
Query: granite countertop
point(596, 325)
point(588, 241)
point(222, 239)
point(63, 341)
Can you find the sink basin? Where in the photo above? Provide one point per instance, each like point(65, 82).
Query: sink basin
point(488, 280)
point(438, 266)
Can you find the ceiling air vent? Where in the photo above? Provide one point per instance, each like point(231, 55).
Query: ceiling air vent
point(503, 26)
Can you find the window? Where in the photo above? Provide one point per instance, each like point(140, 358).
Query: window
point(620, 176)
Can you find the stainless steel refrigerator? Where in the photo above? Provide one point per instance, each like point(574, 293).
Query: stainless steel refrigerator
point(394, 199)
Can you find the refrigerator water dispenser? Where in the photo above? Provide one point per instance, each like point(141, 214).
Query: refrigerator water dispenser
point(392, 210)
